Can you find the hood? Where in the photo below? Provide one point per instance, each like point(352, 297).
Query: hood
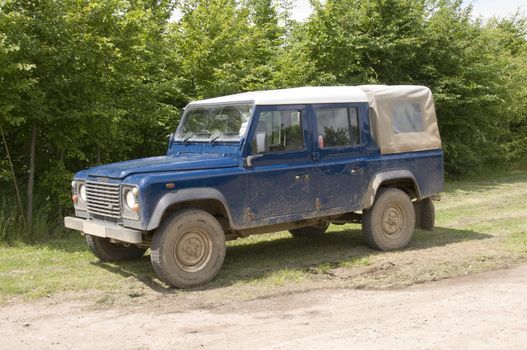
point(179, 162)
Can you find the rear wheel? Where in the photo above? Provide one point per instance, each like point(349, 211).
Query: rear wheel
point(390, 223)
point(309, 231)
point(189, 248)
point(425, 214)
point(105, 250)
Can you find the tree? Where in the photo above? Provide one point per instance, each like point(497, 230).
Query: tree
point(435, 43)
point(464, 65)
point(90, 82)
point(361, 42)
point(510, 35)
point(93, 86)
point(14, 80)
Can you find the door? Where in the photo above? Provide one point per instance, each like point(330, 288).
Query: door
point(282, 179)
point(341, 166)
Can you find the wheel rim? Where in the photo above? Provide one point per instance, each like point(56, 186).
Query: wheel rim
point(393, 220)
point(192, 250)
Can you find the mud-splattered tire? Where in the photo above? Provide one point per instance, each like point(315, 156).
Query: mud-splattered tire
point(390, 223)
point(188, 249)
point(425, 214)
point(108, 251)
point(309, 231)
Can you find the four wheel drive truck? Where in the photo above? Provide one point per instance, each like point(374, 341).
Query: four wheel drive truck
point(296, 159)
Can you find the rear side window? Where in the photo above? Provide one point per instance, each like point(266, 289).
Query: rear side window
point(337, 127)
point(407, 117)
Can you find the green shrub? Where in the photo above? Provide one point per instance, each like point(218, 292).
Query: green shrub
point(13, 227)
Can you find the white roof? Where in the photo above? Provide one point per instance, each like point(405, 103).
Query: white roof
point(301, 95)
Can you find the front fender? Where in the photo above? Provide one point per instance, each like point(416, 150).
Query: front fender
point(185, 195)
point(381, 177)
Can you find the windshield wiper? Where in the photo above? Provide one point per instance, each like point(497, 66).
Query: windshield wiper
point(212, 140)
point(226, 133)
point(186, 139)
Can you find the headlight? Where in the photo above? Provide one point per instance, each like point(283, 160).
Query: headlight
point(78, 197)
point(130, 199)
point(82, 192)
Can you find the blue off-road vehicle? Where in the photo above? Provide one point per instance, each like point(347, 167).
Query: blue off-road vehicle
point(295, 159)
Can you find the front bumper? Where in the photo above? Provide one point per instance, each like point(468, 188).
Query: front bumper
point(105, 230)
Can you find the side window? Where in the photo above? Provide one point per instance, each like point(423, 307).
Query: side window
point(278, 131)
point(337, 127)
point(407, 117)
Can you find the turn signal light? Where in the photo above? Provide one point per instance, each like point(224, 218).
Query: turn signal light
point(74, 198)
point(136, 208)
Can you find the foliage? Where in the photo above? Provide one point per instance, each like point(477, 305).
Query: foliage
point(90, 87)
point(106, 80)
point(473, 68)
point(226, 46)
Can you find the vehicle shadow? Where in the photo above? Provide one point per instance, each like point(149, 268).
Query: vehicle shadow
point(249, 261)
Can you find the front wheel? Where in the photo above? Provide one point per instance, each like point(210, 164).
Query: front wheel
point(189, 248)
point(105, 250)
point(390, 223)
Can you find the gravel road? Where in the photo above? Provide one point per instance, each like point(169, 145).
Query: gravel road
point(486, 311)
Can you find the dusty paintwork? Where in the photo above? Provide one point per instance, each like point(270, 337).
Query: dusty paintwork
point(278, 190)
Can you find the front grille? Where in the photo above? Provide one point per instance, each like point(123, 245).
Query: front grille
point(103, 199)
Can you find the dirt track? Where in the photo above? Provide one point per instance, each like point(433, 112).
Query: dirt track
point(478, 312)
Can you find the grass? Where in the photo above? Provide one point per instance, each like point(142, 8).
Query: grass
point(481, 225)
point(13, 227)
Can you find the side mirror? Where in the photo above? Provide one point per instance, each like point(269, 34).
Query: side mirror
point(261, 148)
point(261, 140)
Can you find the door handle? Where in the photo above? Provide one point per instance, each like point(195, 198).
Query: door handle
point(357, 170)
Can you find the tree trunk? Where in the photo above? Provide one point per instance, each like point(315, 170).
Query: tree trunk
point(59, 204)
point(31, 180)
point(98, 154)
point(17, 191)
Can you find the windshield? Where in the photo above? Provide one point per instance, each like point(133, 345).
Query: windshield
point(214, 123)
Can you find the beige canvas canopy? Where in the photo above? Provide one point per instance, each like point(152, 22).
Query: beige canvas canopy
point(403, 118)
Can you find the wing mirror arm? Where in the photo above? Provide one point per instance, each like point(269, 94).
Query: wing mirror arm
point(261, 147)
point(248, 161)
